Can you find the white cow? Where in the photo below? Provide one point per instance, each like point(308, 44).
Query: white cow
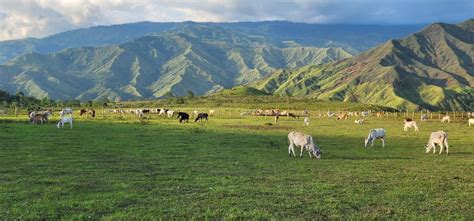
point(211, 112)
point(440, 138)
point(378, 133)
point(410, 124)
point(63, 121)
point(170, 113)
point(330, 114)
point(195, 112)
point(360, 121)
point(306, 121)
point(65, 111)
point(163, 112)
point(364, 113)
point(470, 121)
point(446, 119)
point(305, 142)
point(424, 117)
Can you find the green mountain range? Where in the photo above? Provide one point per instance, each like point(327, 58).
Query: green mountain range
point(431, 69)
point(353, 38)
point(199, 58)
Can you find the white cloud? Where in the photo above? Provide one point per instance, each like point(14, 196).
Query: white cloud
point(39, 18)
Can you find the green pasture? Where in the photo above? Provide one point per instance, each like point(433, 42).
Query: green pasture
point(120, 167)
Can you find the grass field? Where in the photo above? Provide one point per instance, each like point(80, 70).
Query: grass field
point(232, 167)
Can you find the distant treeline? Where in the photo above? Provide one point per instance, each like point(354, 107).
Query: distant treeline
point(20, 100)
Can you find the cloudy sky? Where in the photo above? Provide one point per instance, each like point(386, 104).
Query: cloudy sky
point(39, 18)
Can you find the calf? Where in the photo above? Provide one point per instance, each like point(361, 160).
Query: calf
point(410, 123)
point(440, 138)
point(305, 142)
point(470, 121)
point(306, 121)
point(378, 133)
point(446, 119)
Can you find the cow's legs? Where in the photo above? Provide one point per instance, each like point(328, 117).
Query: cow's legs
point(434, 148)
point(310, 155)
point(441, 147)
point(291, 149)
point(71, 124)
point(447, 147)
point(383, 141)
point(301, 152)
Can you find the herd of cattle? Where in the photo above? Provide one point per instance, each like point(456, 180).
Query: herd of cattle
point(304, 141)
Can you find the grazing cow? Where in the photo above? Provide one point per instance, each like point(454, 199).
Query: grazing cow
point(350, 114)
point(146, 111)
point(163, 112)
point(409, 123)
point(183, 117)
point(360, 121)
point(170, 113)
point(364, 113)
point(38, 119)
point(446, 119)
point(63, 121)
point(440, 138)
point(201, 116)
point(211, 112)
point(470, 121)
point(330, 114)
point(304, 141)
point(378, 133)
point(306, 121)
point(424, 117)
point(43, 114)
point(65, 112)
point(87, 112)
point(342, 116)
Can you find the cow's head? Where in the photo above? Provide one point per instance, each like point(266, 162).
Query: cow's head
point(318, 153)
point(428, 148)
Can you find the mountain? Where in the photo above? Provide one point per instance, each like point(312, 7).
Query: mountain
point(199, 58)
point(352, 38)
point(432, 69)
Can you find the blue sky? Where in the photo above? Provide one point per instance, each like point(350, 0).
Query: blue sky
point(39, 18)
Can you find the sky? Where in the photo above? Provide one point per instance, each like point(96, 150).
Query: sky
point(40, 18)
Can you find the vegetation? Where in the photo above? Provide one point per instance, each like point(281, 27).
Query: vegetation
point(119, 167)
point(428, 69)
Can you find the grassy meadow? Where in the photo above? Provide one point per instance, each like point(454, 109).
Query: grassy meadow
point(119, 167)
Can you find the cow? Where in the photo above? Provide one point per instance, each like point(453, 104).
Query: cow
point(446, 119)
point(306, 121)
point(44, 115)
point(65, 111)
point(409, 123)
point(424, 117)
point(378, 133)
point(360, 121)
point(38, 119)
point(211, 112)
point(342, 116)
point(183, 117)
point(304, 141)
point(440, 138)
point(163, 112)
point(201, 116)
point(364, 113)
point(87, 112)
point(330, 114)
point(146, 111)
point(63, 121)
point(380, 114)
point(170, 113)
point(470, 121)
